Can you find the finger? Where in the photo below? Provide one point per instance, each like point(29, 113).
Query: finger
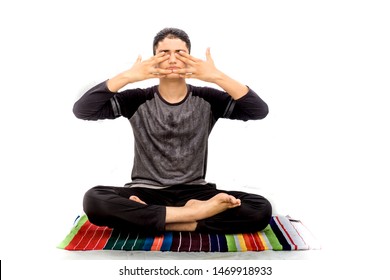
point(208, 55)
point(182, 58)
point(160, 57)
point(165, 71)
point(160, 54)
point(157, 56)
point(186, 75)
point(186, 58)
point(185, 54)
point(161, 72)
point(234, 201)
point(139, 59)
point(184, 71)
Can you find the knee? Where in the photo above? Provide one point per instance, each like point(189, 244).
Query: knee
point(263, 215)
point(91, 196)
point(93, 203)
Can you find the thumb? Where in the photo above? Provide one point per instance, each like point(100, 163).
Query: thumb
point(208, 55)
point(139, 59)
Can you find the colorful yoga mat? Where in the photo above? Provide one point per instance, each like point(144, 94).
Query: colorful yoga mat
point(281, 234)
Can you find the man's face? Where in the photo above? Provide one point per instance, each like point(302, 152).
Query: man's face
point(170, 47)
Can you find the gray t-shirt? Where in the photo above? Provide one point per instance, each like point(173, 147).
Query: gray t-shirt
point(171, 140)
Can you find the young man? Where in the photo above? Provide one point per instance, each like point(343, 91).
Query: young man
point(171, 124)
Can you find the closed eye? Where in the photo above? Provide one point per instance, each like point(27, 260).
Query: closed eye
point(176, 51)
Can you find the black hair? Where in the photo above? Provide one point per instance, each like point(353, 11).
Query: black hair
point(171, 33)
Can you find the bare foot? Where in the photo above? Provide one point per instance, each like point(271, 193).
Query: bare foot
point(207, 208)
point(136, 199)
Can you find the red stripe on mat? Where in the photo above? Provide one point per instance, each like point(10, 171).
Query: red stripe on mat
point(74, 244)
point(90, 237)
point(257, 240)
point(157, 243)
point(106, 234)
point(248, 241)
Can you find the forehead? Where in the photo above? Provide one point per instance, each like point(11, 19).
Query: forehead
point(171, 44)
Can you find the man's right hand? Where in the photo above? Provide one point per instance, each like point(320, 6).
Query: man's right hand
point(140, 71)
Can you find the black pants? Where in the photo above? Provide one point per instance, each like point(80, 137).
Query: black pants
point(111, 206)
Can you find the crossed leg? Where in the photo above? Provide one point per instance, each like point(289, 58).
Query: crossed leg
point(207, 210)
point(184, 218)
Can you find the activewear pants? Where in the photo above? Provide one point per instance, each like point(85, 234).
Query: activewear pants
point(111, 206)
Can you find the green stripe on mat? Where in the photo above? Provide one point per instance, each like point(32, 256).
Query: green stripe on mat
point(112, 240)
point(73, 232)
point(231, 243)
point(273, 240)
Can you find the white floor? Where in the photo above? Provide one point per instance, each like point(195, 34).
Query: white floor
point(141, 255)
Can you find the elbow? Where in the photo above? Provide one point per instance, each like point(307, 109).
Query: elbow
point(265, 113)
point(262, 112)
point(79, 113)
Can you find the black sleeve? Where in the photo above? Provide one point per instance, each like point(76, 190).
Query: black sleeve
point(221, 103)
point(100, 103)
point(249, 107)
point(95, 104)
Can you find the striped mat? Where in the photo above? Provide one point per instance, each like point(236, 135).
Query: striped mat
point(282, 233)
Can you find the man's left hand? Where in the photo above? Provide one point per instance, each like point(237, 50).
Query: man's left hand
point(204, 70)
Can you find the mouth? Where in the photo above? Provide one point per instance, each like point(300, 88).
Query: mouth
point(173, 68)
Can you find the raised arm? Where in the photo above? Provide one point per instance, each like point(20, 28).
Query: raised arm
point(98, 102)
point(141, 70)
point(247, 104)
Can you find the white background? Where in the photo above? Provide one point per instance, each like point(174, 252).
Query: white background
point(321, 155)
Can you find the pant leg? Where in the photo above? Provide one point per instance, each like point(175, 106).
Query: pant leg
point(111, 206)
point(253, 215)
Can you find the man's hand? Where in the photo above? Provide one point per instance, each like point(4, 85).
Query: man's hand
point(204, 70)
point(147, 69)
point(141, 70)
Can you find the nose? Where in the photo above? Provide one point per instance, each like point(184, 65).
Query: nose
point(172, 58)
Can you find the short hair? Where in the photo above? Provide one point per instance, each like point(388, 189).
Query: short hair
point(171, 33)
